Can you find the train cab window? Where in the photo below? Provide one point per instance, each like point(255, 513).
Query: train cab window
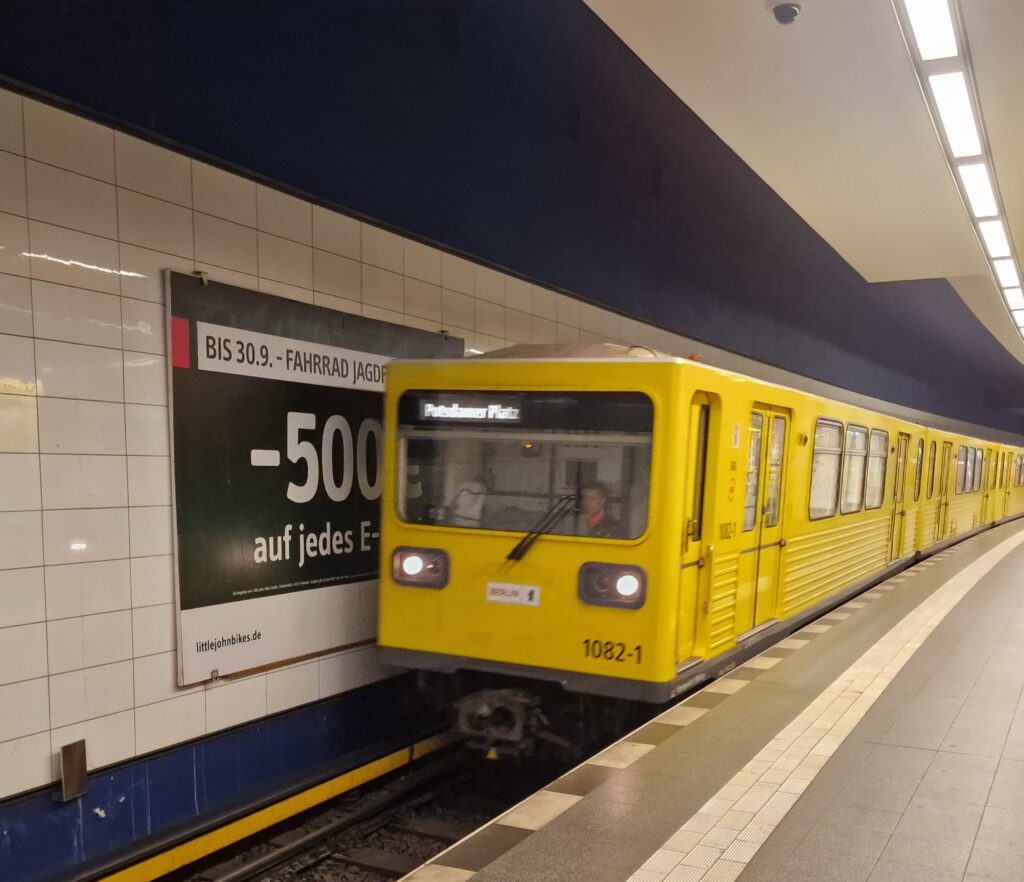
point(510, 460)
point(961, 468)
point(852, 494)
point(931, 469)
point(825, 464)
point(920, 469)
point(979, 459)
point(753, 472)
point(878, 456)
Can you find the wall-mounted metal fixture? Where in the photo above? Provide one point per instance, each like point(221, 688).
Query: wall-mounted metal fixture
point(72, 771)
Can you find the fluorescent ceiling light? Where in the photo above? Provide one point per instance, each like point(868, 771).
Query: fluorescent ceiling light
point(956, 113)
point(933, 28)
point(1014, 298)
point(994, 234)
point(978, 187)
point(1018, 317)
point(1006, 272)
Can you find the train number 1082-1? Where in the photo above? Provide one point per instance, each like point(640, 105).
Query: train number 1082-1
point(611, 651)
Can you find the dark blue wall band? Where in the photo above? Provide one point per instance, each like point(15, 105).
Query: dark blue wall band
point(147, 803)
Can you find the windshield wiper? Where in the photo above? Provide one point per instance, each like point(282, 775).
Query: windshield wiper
point(559, 509)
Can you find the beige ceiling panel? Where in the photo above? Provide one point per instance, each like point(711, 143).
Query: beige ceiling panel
point(827, 111)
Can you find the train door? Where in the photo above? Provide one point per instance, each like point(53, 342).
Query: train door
point(942, 511)
point(694, 538)
point(762, 513)
point(899, 508)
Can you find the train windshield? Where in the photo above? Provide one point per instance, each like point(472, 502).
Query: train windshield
point(502, 461)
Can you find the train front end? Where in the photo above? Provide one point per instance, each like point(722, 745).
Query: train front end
point(531, 520)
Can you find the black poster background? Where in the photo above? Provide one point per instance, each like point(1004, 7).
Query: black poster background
point(222, 502)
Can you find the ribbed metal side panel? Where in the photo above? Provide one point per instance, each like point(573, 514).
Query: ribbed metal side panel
point(909, 531)
point(821, 563)
point(964, 510)
point(722, 602)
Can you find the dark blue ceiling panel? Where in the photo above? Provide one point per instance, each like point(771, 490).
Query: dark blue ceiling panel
point(522, 133)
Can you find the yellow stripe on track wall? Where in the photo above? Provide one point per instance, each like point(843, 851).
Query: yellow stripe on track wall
point(207, 843)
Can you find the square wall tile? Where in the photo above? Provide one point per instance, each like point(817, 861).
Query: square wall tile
point(71, 257)
point(94, 692)
point(17, 366)
point(542, 330)
point(75, 480)
point(337, 276)
point(422, 262)
point(148, 430)
point(156, 679)
point(26, 709)
point(145, 378)
point(25, 762)
point(336, 233)
point(155, 171)
point(151, 530)
point(518, 326)
point(282, 215)
point(12, 184)
point(226, 244)
point(88, 641)
point(22, 653)
point(518, 294)
point(458, 310)
point(154, 224)
point(342, 672)
point(149, 480)
point(71, 370)
point(383, 289)
point(108, 740)
point(87, 588)
point(170, 722)
point(422, 299)
point(83, 535)
point(19, 478)
point(143, 326)
point(15, 305)
point(18, 424)
point(21, 540)
point(68, 141)
point(70, 426)
point(67, 199)
point(567, 311)
point(14, 244)
point(142, 269)
point(229, 704)
point(285, 261)
point(152, 580)
point(153, 628)
point(223, 194)
point(489, 284)
point(457, 274)
point(12, 130)
point(490, 319)
point(383, 249)
point(383, 315)
point(292, 686)
point(22, 597)
point(545, 303)
point(75, 315)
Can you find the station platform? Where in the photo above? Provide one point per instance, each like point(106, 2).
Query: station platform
point(883, 742)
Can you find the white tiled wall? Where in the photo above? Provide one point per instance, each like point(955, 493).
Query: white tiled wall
point(88, 219)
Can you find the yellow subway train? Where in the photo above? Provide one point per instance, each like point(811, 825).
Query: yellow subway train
point(631, 524)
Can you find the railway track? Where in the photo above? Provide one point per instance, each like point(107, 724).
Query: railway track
point(381, 833)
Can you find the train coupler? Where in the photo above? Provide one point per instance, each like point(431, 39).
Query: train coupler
point(503, 722)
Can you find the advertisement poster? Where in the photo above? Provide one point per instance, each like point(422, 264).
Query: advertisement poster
point(276, 430)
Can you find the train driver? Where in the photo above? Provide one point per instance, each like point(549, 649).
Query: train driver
point(595, 520)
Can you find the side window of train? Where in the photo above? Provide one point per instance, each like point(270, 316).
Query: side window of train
point(877, 458)
point(825, 463)
point(753, 472)
point(961, 468)
point(920, 469)
point(931, 469)
point(852, 494)
point(699, 477)
point(776, 453)
point(978, 467)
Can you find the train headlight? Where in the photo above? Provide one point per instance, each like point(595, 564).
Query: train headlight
point(420, 567)
point(612, 585)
